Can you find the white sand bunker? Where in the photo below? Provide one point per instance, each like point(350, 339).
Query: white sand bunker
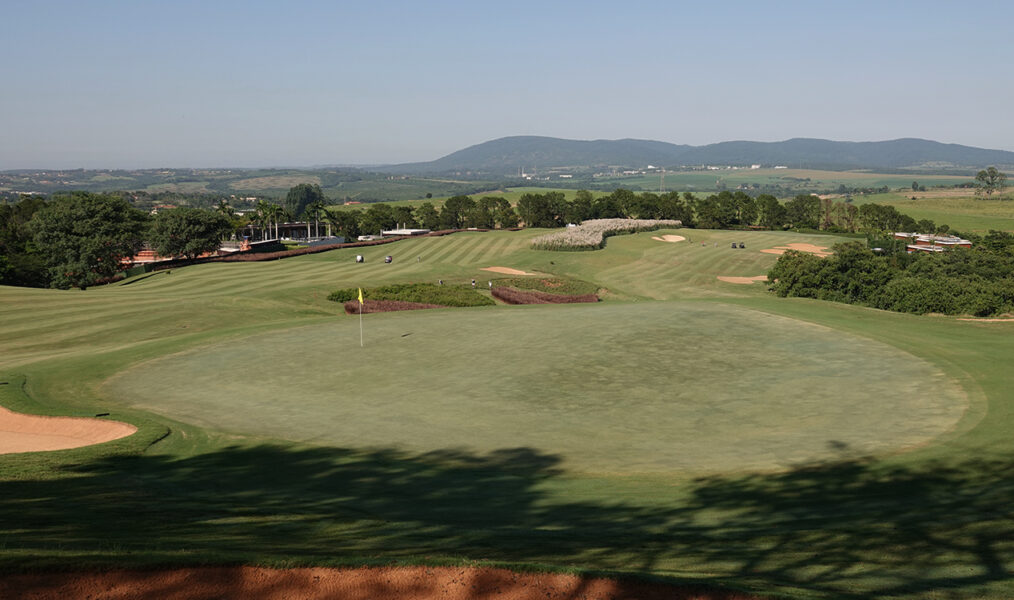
point(812, 249)
point(669, 238)
point(506, 271)
point(743, 280)
point(33, 433)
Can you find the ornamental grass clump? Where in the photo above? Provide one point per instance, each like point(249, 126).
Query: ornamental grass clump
point(592, 234)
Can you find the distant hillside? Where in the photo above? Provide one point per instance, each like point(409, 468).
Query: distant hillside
point(505, 156)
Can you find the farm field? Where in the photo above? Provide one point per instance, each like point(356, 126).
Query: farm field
point(960, 209)
point(685, 428)
point(808, 179)
point(512, 195)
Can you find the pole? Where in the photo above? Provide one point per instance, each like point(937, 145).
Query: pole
point(362, 304)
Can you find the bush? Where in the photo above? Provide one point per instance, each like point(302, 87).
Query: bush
point(420, 293)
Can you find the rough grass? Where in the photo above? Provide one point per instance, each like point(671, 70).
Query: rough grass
point(513, 296)
point(549, 285)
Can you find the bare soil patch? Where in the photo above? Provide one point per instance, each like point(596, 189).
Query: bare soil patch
point(743, 280)
point(821, 251)
point(506, 271)
point(668, 238)
point(34, 433)
point(384, 583)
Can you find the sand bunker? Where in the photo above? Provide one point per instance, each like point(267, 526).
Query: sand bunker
point(821, 251)
point(33, 433)
point(387, 583)
point(506, 271)
point(989, 320)
point(669, 238)
point(743, 280)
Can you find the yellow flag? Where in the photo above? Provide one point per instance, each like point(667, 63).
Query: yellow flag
point(360, 296)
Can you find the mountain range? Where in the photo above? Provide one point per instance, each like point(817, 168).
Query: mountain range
point(506, 156)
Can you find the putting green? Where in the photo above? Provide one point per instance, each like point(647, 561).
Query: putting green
point(650, 387)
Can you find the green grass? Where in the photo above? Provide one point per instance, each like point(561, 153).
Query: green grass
point(962, 212)
point(685, 427)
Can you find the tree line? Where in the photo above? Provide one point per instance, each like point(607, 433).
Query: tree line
point(77, 239)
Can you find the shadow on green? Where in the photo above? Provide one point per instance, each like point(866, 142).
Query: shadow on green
point(843, 530)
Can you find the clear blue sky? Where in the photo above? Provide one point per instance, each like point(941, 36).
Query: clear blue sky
point(148, 84)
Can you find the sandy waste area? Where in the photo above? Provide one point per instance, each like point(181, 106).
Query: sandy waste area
point(505, 271)
point(742, 280)
point(818, 250)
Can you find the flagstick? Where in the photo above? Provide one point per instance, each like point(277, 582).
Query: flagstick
point(361, 324)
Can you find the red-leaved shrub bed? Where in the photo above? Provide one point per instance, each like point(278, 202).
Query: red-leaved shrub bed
point(379, 306)
point(514, 296)
point(259, 256)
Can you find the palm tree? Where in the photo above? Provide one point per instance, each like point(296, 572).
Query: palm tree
point(315, 209)
point(262, 216)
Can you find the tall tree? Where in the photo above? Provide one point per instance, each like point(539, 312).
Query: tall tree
point(454, 211)
point(345, 223)
point(771, 212)
point(301, 196)
point(377, 218)
point(20, 262)
point(84, 237)
point(990, 181)
point(427, 216)
point(187, 232)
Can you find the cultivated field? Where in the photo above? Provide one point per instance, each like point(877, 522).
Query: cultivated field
point(958, 208)
point(689, 428)
point(808, 179)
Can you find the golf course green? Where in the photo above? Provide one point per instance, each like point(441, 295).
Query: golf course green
point(684, 428)
point(649, 382)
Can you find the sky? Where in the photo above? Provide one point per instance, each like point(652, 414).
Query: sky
point(148, 84)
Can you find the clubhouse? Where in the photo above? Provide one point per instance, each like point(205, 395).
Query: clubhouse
point(923, 242)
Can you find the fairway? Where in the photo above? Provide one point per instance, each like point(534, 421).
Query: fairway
point(654, 387)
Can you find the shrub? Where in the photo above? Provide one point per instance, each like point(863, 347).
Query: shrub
point(420, 293)
point(379, 306)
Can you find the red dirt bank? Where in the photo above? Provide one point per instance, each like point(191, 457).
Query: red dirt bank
point(388, 583)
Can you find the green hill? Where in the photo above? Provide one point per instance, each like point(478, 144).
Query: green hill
point(506, 156)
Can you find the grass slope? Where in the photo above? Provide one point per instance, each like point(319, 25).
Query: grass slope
point(933, 521)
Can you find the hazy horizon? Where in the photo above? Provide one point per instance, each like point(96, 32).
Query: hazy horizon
point(122, 85)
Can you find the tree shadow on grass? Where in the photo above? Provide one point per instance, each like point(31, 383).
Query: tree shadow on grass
point(843, 530)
